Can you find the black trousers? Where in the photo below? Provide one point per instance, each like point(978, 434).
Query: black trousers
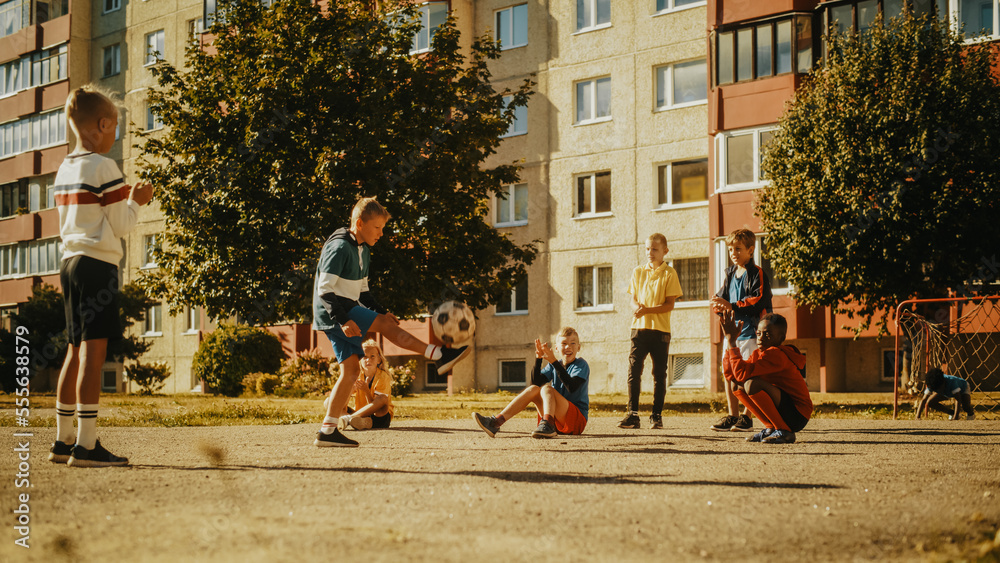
point(652, 343)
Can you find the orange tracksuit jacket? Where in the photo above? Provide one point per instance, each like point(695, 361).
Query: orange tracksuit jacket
point(777, 365)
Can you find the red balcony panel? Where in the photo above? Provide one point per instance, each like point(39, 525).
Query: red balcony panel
point(18, 228)
point(53, 96)
point(48, 223)
point(48, 160)
point(721, 12)
point(19, 43)
point(54, 32)
point(18, 166)
point(51, 279)
point(753, 103)
point(15, 291)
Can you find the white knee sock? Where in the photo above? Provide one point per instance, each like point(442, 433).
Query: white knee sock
point(329, 424)
point(65, 432)
point(86, 420)
point(433, 352)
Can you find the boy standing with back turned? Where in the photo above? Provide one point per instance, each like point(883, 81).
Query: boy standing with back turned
point(653, 290)
point(747, 294)
point(96, 209)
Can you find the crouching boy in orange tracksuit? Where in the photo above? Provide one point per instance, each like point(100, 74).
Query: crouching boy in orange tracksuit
point(770, 384)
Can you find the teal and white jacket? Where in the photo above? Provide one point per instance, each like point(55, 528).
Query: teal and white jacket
point(341, 281)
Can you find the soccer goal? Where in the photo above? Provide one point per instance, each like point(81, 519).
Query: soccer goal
point(963, 339)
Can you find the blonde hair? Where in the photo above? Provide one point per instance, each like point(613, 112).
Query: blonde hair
point(657, 237)
point(382, 363)
point(366, 208)
point(745, 236)
point(87, 104)
point(567, 331)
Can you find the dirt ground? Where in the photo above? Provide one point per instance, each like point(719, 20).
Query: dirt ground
point(442, 490)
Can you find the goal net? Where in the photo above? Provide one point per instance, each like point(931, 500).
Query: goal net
point(964, 343)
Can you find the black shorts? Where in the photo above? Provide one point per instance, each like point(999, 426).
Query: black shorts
point(791, 415)
point(381, 421)
point(90, 297)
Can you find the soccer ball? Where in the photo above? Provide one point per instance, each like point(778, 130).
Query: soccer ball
point(453, 322)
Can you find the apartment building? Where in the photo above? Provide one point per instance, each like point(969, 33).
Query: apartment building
point(759, 53)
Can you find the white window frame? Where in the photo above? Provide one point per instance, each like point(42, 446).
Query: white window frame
point(593, 196)
point(955, 16)
point(149, 242)
point(722, 184)
point(591, 26)
point(26, 133)
point(510, 202)
point(510, 16)
point(115, 51)
point(154, 320)
point(155, 43)
point(153, 121)
point(514, 311)
point(669, 205)
point(668, 85)
point(195, 27)
point(115, 6)
point(592, 110)
point(596, 307)
point(722, 262)
point(192, 319)
point(500, 382)
point(699, 303)
point(672, 7)
point(520, 124)
point(424, 10)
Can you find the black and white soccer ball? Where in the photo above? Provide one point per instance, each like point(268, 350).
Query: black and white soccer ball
point(454, 323)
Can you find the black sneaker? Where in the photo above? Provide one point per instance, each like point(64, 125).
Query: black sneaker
point(97, 457)
point(743, 424)
point(780, 437)
point(630, 421)
point(545, 430)
point(60, 452)
point(725, 423)
point(450, 357)
point(487, 423)
point(655, 421)
point(335, 438)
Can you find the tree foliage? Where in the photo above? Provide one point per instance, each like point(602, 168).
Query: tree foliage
point(884, 175)
point(294, 113)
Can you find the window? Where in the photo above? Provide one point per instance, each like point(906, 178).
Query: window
point(515, 302)
point(30, 258)
point(41, 193)
point(512, 210)
point(112, 5)
point(593, 100)
point(693, 275)
point(150, 248)
point(46, 10)
point(15, 76)
point(153, 120)
point(13, 197)
point(686, 370)
point(592, 14)
point(14, 16)
point(154, 47)
point(980, 17)
point(764, 50)
point(670, 5)
point(594, 288)
point(519, 126)
point(432, 15)
point(109, 380)
point(433, 379)
point(36, 69)
point(512, 27)
point(859, 16)
point(112, 60)
point(192, 318)
point(33, 132)
point(740, 157)
point(682, 183)
point(889, 359)
point(681, 84)
point(779, 286)
point(12, 261)
point(513, 373)
point(593, 194)
point(154, 320)
point(194, 29)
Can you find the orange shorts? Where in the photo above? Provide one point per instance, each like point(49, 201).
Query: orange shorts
point(572, 423)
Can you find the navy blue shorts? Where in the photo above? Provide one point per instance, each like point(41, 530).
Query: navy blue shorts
point(344, 347)
point(791, 415)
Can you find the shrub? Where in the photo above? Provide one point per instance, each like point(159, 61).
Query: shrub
point(149, 377)
point(231, 352)
point(308, 373)
point(257, 383)
point(402, 378)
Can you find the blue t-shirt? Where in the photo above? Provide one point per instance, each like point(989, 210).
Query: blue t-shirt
point(951, 388)
point(577, 368)
point(738, 293)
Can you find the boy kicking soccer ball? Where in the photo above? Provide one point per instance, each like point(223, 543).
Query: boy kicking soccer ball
point(345, 310)
point(559, 392)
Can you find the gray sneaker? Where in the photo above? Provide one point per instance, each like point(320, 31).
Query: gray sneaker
point(725, 423)
point(487, 423)
point(743, 424)
point(545, 430)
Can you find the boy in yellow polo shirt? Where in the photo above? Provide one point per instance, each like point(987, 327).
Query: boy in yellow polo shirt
point(653, 289)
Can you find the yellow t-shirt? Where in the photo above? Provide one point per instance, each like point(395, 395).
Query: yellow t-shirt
point(651, 287)
point(382, 384)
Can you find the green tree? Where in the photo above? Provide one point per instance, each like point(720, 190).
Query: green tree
point(297, 112)
point(884, 176)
